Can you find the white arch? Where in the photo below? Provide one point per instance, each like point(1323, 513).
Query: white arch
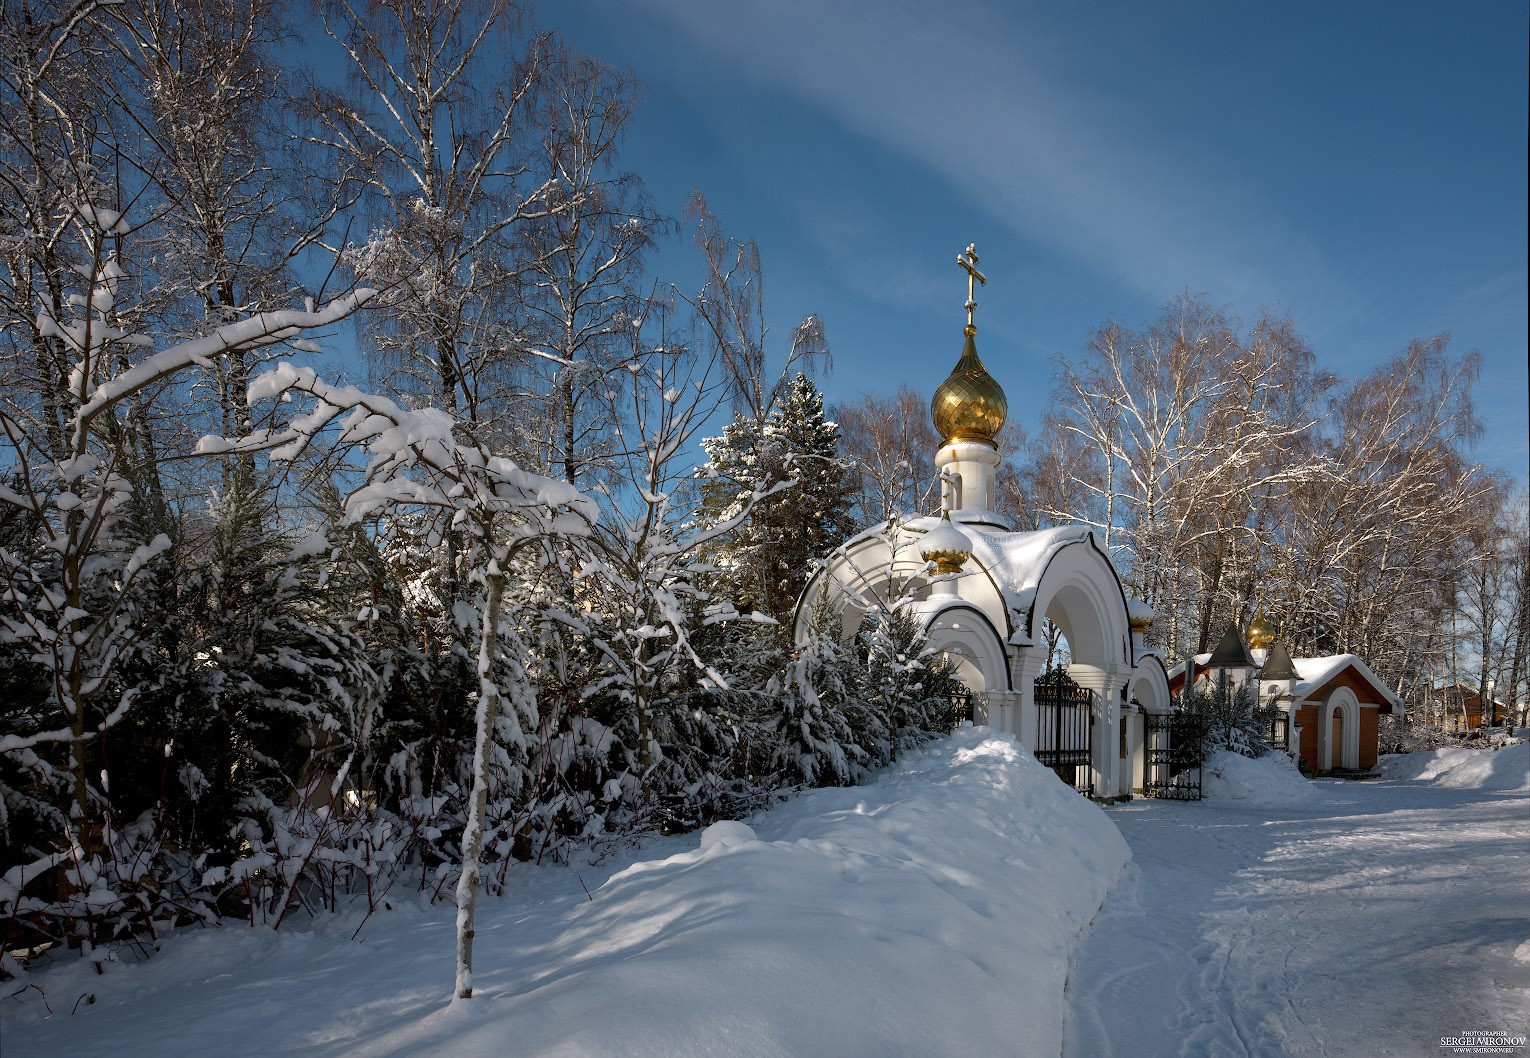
point(1150, 686)
point(1340, 700)
point(1078, 591)
point(869, 566)
point(863, 569)
point(964, 634)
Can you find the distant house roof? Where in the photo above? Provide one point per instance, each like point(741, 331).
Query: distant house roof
point(1458, 695)
point(1317, 673)
point(1177, 670)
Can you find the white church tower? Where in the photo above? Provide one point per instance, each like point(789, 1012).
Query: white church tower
point(969, 410)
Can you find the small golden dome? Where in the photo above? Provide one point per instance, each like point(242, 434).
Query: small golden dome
point(1261, 631)
point(1141, 622)
point(969, 405)
point(946, 546)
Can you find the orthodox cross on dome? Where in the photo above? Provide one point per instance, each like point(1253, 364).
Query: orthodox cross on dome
point(968, 260)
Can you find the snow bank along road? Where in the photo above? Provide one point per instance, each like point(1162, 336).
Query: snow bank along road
point(1373, 919)
point(929, 914)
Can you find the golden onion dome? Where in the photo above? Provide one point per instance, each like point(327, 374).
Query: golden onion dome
point(1261, 631)
point(969, 405)
point(946, 546)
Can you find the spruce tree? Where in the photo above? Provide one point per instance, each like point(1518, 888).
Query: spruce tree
point(769, 558)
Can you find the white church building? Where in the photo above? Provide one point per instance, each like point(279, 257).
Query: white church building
point(983, 593)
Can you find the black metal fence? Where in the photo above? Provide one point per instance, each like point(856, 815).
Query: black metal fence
point(1173, 756)
point(1065, 728)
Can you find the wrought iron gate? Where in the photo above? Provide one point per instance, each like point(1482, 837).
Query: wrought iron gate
point(1173, 748)
point(961, 707)
point(1280, 731)
point(1065, 728)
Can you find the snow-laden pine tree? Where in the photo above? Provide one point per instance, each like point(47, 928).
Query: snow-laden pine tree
point(816, 708)
point(1230, 718)
point(906, 685)
point(767, 560)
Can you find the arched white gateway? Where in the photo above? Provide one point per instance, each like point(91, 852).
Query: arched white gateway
point(989, 622)
point(964, 634)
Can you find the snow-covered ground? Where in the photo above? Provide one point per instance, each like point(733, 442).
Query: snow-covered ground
point(1372, 919)
point(1506, 770)
point(931, 913)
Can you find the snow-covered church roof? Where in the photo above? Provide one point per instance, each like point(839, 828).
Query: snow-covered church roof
point(1015, 561)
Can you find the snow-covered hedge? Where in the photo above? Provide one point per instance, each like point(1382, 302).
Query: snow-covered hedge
point(1266, 780)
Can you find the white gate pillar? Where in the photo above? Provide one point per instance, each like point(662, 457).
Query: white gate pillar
point(1025, 665)
point(997, 709)
point(1107, 682)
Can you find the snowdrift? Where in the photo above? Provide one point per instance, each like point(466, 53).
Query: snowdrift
point(1269, 780)
point(1504, 770)
point(932, 913)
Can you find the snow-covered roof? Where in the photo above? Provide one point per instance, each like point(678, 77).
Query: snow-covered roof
point(1177, 669)
point(1314, 673)
point(1014, 560)
point(1005, 577)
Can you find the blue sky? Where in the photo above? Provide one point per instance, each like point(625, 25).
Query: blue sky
point(1361, 166)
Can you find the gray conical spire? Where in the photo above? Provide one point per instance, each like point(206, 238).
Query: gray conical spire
point(1231, 652)
point(1277, 666)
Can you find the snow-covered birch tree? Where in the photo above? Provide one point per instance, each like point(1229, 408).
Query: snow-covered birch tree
point(649, 560)
point(205, 98)
point(730, 308)
point(583, 263)
point(68, 588)
point(431, 139)
point(1187, 426)
point(891, 445)
point(414, 459)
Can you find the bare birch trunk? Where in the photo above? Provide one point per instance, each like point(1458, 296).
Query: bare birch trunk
point(472, 835)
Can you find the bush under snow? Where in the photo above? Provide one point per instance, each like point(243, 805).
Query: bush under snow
point(1266, 780)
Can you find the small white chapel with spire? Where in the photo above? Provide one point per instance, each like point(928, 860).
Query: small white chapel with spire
point(983, 592)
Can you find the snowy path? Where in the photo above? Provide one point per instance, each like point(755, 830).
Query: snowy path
point(1371, 921)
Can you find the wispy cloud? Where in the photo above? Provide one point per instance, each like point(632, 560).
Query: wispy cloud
point(975, 95)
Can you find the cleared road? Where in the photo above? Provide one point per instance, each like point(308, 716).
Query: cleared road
point(1373, 920)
